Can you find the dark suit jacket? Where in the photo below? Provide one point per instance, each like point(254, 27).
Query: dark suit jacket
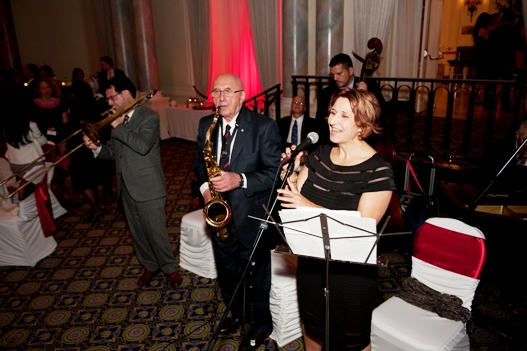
point(256, 152)
point(137, 156)
point(308, 125)
point(103, 78)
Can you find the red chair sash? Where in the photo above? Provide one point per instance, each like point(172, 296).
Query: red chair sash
point(450, 250)
point(43, 203)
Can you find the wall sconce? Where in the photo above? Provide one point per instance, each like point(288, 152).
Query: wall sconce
point(472, 7)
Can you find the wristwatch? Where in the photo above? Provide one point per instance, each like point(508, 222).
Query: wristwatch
point(242, 181)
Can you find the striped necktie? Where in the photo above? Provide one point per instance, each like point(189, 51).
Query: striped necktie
point(225, 149)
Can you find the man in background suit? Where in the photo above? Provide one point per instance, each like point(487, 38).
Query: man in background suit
point(108, 71)
point(134, 146)
point(342, 71)
point(251, 157)
point(303, 124)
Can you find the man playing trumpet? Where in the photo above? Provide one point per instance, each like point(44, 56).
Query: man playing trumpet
point(134, 146)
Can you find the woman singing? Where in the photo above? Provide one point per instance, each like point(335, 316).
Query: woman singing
point(347, 175)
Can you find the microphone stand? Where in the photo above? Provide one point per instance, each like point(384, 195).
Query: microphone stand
point(263, 226)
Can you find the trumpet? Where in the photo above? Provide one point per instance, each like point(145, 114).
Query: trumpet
point(88, 129)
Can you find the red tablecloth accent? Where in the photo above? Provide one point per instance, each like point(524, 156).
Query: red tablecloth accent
point(43, 203)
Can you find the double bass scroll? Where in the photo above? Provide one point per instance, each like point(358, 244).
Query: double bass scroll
point(372, 60)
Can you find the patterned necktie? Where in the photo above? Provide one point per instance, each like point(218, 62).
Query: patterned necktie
point(225, 149)
point(126, 119)
point(294, 134)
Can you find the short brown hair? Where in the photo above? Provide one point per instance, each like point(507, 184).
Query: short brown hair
point(54, 86)
point(364, 106)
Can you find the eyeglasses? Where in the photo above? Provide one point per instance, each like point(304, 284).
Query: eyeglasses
point(112, 97)
point(299, 103)
point(227, 92)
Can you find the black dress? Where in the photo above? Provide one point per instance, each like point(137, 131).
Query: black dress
point(352, 287)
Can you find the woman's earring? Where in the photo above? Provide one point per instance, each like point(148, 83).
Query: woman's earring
point(359, 132)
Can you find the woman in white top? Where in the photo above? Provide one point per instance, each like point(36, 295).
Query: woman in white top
point(24, 143)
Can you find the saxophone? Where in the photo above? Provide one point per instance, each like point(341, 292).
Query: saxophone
point(217, 211)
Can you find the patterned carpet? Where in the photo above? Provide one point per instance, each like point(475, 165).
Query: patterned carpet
point(84, 296)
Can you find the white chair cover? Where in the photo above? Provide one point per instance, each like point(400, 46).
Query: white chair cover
point(283, 301)
point(22, 242)
point(196, 254)
point(398, 325)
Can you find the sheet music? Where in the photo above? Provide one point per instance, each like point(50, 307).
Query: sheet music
point(305, 237)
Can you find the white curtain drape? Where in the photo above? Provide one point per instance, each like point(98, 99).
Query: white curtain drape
point(433, 37)
point(198, 13)
point(402, 46)
point(265, 29)
point(363, 12)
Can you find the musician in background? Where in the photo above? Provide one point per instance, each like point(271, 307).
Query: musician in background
point(134, 146)
point(342, 71)
point(296, 127)
point(247, 146)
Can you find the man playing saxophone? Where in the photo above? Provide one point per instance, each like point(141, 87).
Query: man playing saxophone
point(247, 146)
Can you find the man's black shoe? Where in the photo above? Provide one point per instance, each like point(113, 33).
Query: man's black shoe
point(230, 324)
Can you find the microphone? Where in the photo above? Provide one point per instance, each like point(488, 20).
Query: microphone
point(312, 138)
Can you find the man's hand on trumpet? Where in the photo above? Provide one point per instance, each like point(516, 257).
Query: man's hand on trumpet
point(117, 121)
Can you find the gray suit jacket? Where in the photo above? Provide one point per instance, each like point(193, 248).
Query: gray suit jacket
point(137, 156)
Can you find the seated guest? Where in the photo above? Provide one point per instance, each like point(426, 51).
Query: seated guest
point(24, 143)
point(346, 175)
point(295, 128)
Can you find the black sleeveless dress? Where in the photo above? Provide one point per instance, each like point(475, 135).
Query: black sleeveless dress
point(352, 286)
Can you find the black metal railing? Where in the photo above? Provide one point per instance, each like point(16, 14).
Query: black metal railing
point(444, 118)
point(306, 82)
point(262, 102)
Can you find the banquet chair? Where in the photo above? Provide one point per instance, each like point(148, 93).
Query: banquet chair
point(448, 256)
point(283, 301)
point(23, 242)
point(195, 253)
